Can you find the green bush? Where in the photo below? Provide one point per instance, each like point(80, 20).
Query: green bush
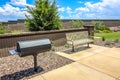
point(100, 27)
point(77, 24)
point(106, 31)
point(103, 38)
point(44, 16)
point(3, 29)
point(17, 31)
point(96, 31)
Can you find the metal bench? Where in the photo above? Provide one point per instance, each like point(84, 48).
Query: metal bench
point(78, 38)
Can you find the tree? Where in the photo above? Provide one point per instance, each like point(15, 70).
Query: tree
point(44, 16)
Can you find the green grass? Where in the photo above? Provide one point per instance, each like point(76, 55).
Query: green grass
point(17, 31)
point(109, 36)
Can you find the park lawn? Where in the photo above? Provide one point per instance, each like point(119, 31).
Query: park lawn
point(109, 36)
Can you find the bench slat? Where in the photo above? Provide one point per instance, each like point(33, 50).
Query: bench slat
point(78, 38)
point(81, 41)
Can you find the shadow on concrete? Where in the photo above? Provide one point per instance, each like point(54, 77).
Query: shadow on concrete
point(21, 74)
point(77, 49)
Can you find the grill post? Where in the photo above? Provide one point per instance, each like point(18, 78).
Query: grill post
point(35, 62)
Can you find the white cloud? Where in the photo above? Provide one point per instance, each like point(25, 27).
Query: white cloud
point(111, 2)
point(82, 9)
point(62, 17)
point(97, 7)
point(8, 12)
point(105, 9)
point(91, 16)
point(1, 10)
point(19, 2)
point(68, 10)
point(62, 9)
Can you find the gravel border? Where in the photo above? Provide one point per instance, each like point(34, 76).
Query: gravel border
point(16, 68)
point(107, 43)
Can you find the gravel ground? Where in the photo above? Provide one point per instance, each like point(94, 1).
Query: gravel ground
point(107, 43)
point(17, 68)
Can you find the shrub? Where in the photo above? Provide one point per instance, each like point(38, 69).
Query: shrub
point(3, 29)
point(103, 38)
point(17, 31)
point(77, 24)
point(99, 26)
point(43, 16)
point(96, 31)
point(106, 31)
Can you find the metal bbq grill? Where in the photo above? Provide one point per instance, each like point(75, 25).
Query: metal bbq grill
point(32, 47)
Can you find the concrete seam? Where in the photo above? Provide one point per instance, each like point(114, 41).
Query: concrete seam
point(98, 70)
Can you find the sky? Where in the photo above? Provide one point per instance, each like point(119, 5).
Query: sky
point(67, 9)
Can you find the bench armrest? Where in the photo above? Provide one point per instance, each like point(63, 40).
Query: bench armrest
point(91, 37)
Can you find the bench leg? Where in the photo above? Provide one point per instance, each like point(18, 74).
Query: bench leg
point(88, 45)
point(73, 49)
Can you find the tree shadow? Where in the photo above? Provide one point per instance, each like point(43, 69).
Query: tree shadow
point(21, 74)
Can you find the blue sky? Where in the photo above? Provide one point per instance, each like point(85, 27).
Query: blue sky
point(68, 9)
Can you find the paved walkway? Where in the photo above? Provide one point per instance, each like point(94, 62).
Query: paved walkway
point(95, 63)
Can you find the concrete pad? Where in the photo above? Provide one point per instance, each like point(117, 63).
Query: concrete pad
point(97, 49)
point(116, 48)
point(76, 71)
point(39, 77)
point(112, 53)
point(75, 56)
point(63, 54)
point(84, 53)
point(79, 55)
point(106, 64)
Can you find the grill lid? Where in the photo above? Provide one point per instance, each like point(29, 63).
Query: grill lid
point(31, 46)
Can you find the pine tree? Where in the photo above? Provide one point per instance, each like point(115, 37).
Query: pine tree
point(44, 16)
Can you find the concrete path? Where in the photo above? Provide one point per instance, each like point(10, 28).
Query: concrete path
point(95, 63)
point(76, 71)
point(107, 62)
point(84, 53)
